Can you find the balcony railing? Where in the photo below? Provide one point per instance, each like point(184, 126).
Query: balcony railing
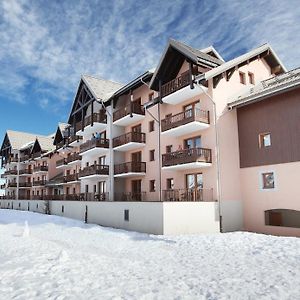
point(132, 196)
point(94, 118)
point(12, 159)
point(73, 157)
point(60, 144)
point(39, 182)
point(94, 170)
point(186, 156)
point(192, 194)
point(40, 169)
point(71, 177)
point(78, 197)
point(25, 184)
point(61, 162)
point(25, 158)
point(96, 143)
point(130, 167)
point(11, 172)
point(185, 117)
point(74, 138)
point(2, 186)
point(175, 84)
point(129, 109)
point(36, 155)
point(12, 185)
point(137, 137)
point(25, 171)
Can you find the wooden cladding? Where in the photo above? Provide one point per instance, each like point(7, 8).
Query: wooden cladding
point(186, 156)
point(94, 170)
point(135, 137)
point(175, 84)
point(129, 109)
point(278, 115)
point(130, 167)
point(96, 143)
point(185, 117)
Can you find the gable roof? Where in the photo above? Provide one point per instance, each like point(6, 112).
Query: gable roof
point(18, 139)
point(46, 143)
point(194, 55)
point(267, 88)
point(212, 52)
point(274, 59)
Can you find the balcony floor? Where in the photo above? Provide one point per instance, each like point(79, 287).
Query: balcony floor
point(129, 146)
point(128, 120)
point(183, 95)
point(185, 129)
point(187, 166)
point(129, 174)
point(95, 151)
point(88, 130)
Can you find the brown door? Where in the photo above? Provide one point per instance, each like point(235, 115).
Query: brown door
point(136, 188)
point(275, 218)
point(137, 128)
point(136, 156)
point(194, 187)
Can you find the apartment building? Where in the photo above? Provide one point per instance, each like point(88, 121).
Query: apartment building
point(161, 153)
point(269, 129)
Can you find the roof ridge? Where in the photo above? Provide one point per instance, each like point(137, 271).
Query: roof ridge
point(101, 78)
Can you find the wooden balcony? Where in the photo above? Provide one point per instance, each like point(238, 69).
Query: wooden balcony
point(61, 163)
point(186, 159)
point(12, 160)
point(94, 171)
point(61, 144)
point(73, 158)
point(186, 122)
point(129, 114)
point(12, 185)
point(39, 183)
point(131, 196)
point(71, 178)
point(193, 194)
point(129, 141)
point(25, 158)
point(95, 146)
point(178, 90)
point(130, 169)
point(75, 140)
point(10, 173)
point(25, 184)
point(25, 172)
point(93, 123)
point(40, 169)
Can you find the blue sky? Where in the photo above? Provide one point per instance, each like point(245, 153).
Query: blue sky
point(47, 45)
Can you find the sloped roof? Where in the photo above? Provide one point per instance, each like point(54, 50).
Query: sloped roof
point(46, 143)
point(240, 59)
point(63, 126)
point(100, 88)
point(18, 139)
point(267, 88)
point(211, 49)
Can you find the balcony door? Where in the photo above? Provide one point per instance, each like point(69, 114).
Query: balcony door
point(136, 156)
point(194, 186)
point(137, 128)
point(136, 189)
point(192, 143)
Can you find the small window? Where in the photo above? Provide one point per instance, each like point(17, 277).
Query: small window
point(268, 180)
point(37, 206)
point(169, 148)
point(151, 126)
point(264, 140)
point(19, 204)
point(62, 209)
point(152, 186)
point(251, 78)
point(152, 155)
point(151, 96)
point(242, 78)
point(126, 215)
point(170, 183)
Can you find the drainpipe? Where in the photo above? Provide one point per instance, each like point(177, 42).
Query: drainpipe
point(18, 175)
point(217, 151)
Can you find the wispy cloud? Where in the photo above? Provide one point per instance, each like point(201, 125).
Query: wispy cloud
point(46, 46)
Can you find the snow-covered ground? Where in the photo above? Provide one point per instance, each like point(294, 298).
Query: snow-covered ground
point(49, 257)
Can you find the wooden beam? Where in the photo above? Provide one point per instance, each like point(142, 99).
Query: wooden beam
point(216, 80)
point(229, 73)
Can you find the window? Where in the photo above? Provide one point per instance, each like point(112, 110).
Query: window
point(126, 215)
point(86, 188)
point(192, 143)
point(152, 186)
point(268, 180)
point(242, 78)
point(151, 96)
point(264, 140)
point(152, 155)
point(170, 183)
point(282, 217)
point(251, 78)
point(151, 126)
point(62, 209)
point(169, 148)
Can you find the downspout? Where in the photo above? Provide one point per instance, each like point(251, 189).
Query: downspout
point(18, 174)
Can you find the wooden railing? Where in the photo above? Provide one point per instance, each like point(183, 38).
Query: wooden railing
point(11, 172)
point(40, 169)
point(61, 162)
point(94, 170)
point(12, 185)
point(130, 167)
point(129, 109)
point(25, 157)
point(186, 156)
point(61, 144)
point(175, 84)
point(94, 118)
point(39, 182)
point(71, 177)
point(132, 196)
point(74, 138)
point(25, 184)
point(192, 194)
point(137, 137)
point(185, 117)
point(25, 171)
point(96, 143)
point(12, 159)
point(73, 157)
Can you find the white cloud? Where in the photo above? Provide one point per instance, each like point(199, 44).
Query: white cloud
point(47, 46)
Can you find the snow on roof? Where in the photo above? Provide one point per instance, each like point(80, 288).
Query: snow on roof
point(267, 87)
point(46, 143)
point(101, 88)
point(19, 139)
point(212, 49)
